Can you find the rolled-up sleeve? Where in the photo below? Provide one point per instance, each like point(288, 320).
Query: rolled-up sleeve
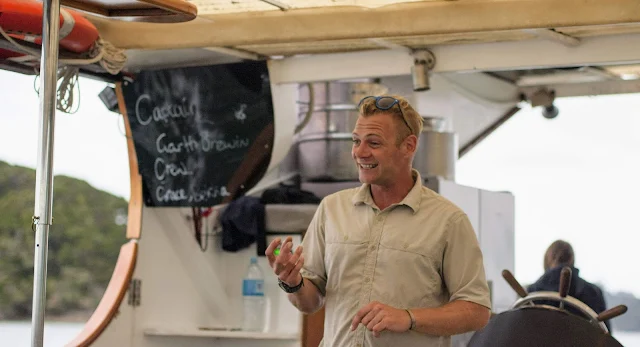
point(463, 268)
point(313, 246)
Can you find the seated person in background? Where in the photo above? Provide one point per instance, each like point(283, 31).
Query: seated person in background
point(558, 255)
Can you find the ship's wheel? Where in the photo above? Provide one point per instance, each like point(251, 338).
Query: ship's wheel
point(534, 321)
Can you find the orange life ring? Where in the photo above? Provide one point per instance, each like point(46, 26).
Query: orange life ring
point(22, 20)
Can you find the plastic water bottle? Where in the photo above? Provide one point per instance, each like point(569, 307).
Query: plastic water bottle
point(253, 297)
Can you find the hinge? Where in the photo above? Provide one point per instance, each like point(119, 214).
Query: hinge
point(134, 292)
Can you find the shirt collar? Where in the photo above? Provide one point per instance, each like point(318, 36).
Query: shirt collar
point(412, 200)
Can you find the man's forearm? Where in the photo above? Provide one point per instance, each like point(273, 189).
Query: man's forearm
point(308, 299)
point(456, 317)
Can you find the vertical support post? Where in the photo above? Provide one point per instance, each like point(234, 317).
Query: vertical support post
point(44, 171)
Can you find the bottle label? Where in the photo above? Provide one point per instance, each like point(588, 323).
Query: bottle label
point(252, 287)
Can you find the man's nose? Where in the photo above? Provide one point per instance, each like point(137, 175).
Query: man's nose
point(360, 151)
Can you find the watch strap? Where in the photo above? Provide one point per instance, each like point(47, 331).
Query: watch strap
point(290, 289)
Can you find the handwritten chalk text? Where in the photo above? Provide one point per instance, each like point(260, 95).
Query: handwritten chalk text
point(174, 195)
point(163, 169)
point(162, 113)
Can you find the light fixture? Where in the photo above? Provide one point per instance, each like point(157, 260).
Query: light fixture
point(423, 62)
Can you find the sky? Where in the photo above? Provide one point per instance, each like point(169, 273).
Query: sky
point(89, 144)
point(574, 177)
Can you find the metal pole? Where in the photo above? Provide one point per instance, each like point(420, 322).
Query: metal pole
point(44, 171)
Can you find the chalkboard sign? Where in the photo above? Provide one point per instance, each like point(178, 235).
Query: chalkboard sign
point(202, 135)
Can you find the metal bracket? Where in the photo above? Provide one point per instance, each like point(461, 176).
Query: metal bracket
point(134, 292)
point(34, 222)
point(542, 97)
point(424, 57)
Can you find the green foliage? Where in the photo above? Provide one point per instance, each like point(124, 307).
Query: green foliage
point(84, 242)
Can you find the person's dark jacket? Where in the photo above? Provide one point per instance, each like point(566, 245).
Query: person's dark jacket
point(580, 289)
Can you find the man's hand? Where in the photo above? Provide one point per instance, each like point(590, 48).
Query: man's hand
point(378, 317)
point(286, 265)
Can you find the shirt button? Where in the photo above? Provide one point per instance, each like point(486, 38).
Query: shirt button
point(367, 279)
point(372, 248)
point(346, 237)
point(406, 245)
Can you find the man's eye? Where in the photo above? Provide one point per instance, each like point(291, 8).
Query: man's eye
point(374, 144)
point(355, 141)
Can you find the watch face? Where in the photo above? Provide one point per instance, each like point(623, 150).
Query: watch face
point(285, 287)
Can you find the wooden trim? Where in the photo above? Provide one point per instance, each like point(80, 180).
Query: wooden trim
point(174, 6)
point(352, 22)
point(84, 7)
point(125, 265)
point(164, 11)
point(134, 217)
point(112, 298)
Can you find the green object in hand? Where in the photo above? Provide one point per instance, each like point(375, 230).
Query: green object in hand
point(276, 252)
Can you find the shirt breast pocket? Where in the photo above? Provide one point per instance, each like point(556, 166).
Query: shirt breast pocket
point(417, 249)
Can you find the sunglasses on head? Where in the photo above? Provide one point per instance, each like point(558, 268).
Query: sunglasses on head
point(385, 103)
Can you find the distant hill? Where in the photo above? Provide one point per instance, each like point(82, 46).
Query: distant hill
point(84, 242)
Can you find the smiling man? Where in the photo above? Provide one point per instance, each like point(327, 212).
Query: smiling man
point(394, 263)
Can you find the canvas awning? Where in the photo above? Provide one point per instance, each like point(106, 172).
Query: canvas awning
point(323, 26)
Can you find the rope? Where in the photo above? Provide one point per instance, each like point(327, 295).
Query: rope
point(111, 59)
point(68, 85)
point(22, 49)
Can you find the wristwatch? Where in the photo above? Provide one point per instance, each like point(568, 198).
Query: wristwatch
point(289, 289)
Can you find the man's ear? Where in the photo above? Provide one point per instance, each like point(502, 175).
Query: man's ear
point(411, 144)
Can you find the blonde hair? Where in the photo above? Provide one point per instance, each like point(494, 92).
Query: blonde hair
point(403, 112)
point(559, 253)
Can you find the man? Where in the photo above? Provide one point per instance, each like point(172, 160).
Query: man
point(394, 263)
point(558, 255)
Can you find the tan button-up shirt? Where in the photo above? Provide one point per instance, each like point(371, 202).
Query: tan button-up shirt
point(421, 252)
